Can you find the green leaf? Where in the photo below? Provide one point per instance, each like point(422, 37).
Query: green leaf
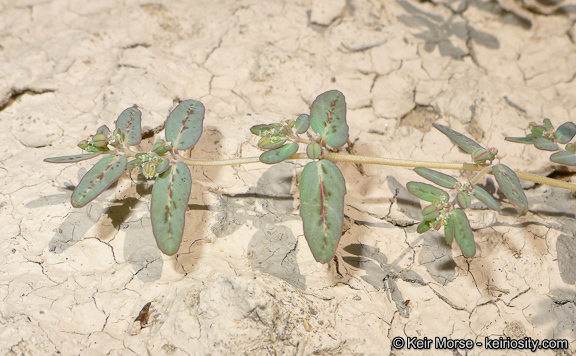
point(72, 158)
point(133, 163)
point(129, 123)
point(463, 233)
point(322, 190)
point(302, 123)
point(184, 124)
point(427, 192)
point(103, 130)
point(98, 179)
point(566, 132)
point(279, 154)
point(548, 125)
point(463, 200)
point(163, 166)
point(510, 185)
point(271, 142)
point(439, 178)
point(563, 157)
point(261, 130)
point(485, 198)
point(170, 196)
point(328, 118)
point(449, 229)
point(529, 139)
point(424, 226)
point(430, 213)
point(545, 144)
point(313, 150)
point(464, 142)
point(538, 131)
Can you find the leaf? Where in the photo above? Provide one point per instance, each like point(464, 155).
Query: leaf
point(424, 226)
point(563, 157)
point(529, 139)
point(464, 142)
point(184, 124)
point(439, 178)
point(566, 132)
point(129, 123)
point(328, 118)
point(261, 130)
point(463, 233)
point(279, 154)
point(430, 213)
point(485, 198)
point(72, 158)
point(170, 196)
point(302, 123)
point(163, 166)
point(510, 185)
point(538, 131)
point(548, 125)
point(271, 142)
point(463, 200)
point(545, 144)
point(427, 192)
point(314, 150)
point(322, 190)
point(449, 229)
point(98, 179)
point(103, 130)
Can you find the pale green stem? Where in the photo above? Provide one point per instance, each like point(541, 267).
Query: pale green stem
point(487, 169)
point(337, 157)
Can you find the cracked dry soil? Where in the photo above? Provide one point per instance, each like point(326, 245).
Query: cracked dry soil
point(91, 281)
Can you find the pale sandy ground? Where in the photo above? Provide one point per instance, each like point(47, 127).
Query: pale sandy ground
point(74, 281)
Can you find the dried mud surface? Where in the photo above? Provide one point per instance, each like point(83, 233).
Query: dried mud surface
point(91, 281)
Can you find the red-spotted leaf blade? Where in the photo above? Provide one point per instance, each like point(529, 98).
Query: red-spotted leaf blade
point(427, 192)
point(510, 185)
point(563, 157)
point(72, 158)
point(464, 142)
point(279, 154)
point(463, 233)
point(170, 196)
point(439, 178)
point(322, 190)
point(98, 179)
point(184, 125)
point(328, 118)
point(129, 122)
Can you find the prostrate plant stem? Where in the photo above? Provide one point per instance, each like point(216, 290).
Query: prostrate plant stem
point(322, 185)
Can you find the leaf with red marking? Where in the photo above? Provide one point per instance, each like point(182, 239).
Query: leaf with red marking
point(184, 125)
point(328, 118)
point(98, 179)
point(170, 196)
point(72, 158)
point(129, 122)
point(322, 190)
point(510, 185)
